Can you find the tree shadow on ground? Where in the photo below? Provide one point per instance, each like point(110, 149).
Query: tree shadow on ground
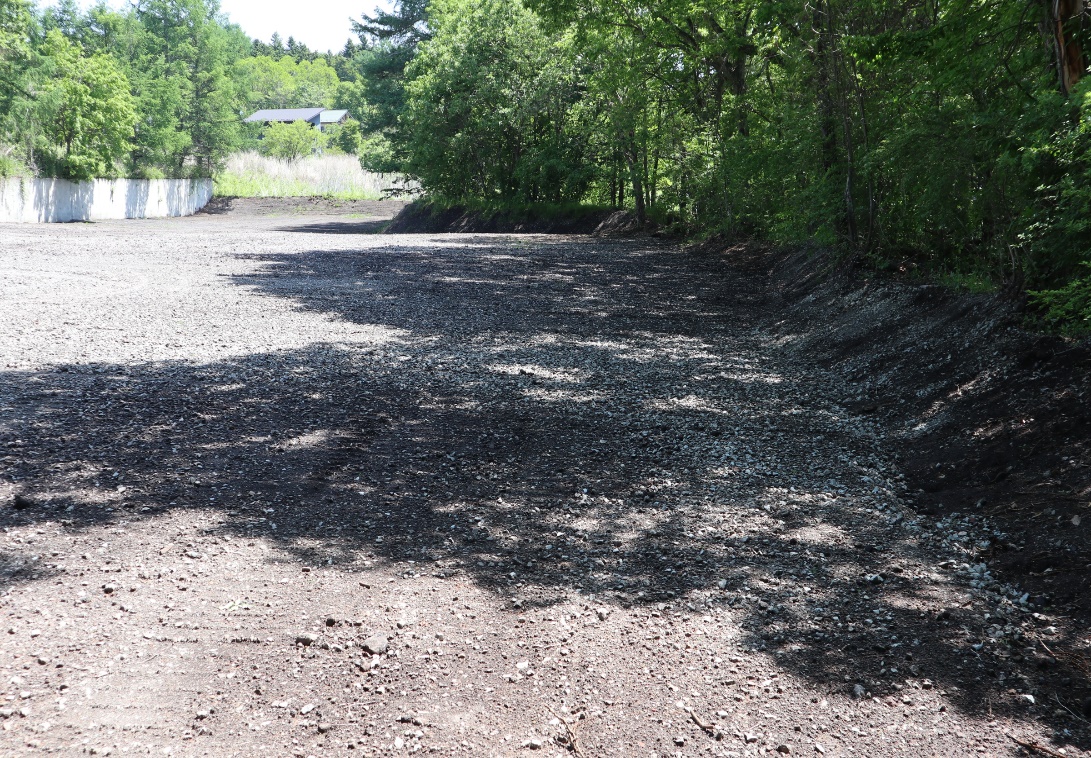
point(557, 416)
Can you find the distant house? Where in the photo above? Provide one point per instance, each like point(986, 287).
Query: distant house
point(320, 118)
point(330, 118)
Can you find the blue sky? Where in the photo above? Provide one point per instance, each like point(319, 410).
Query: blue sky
point(320, 24)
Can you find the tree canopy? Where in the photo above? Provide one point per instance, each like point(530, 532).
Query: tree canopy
point(488, 106)
point(85, 112)
point(947, 137)
point(286, 83)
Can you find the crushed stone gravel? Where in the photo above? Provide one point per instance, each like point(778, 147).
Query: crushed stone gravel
point(278, 484)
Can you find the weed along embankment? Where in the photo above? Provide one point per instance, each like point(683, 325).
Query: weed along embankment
point(277, 483)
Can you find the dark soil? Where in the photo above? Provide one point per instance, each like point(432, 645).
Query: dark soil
point(277, 484)
point(989, 419)
point(421, 217)
point(294, 206)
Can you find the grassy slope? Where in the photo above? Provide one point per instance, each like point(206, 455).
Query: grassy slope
point(336, 176)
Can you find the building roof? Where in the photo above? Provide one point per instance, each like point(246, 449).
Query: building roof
point(333, 117)
point(285, 114)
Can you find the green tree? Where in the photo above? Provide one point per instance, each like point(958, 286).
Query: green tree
point(186, 52)
point(84, 109)
point(373, 88)
point(345, 137)
point(66, 18)
point(292, 141)
point(15, 25)
point(488, 107)
point(15, 56)
point(286, 83)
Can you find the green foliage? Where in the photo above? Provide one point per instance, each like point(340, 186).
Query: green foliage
point(277, 48)
point(404, 27)
point(1068, 309)
point(286, 83)
point(373, 82)
point(85, 111)
point(12, 166)
point(15, 24)
point(1057, 239)
point(292, 141)
point(189, 73)
point(344, 138)
point(1057, 234)
point(942, 135)
point(487, 106)
point(147, 91)
point(186, 71)
point(377, 154)
point(376, 93)
point(188, 46)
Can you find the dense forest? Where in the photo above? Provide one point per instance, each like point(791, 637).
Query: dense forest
point(950, 137)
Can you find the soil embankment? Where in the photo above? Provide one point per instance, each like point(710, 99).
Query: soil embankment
point(423, 218)
point(991, 418)
point(990, 421)
point(243, 207)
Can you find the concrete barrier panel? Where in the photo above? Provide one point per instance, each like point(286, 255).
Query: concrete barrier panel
point(41, 201)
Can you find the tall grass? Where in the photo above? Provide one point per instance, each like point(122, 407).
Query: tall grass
point(251, 174)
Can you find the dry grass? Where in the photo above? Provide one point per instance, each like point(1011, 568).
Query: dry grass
point(251, 174)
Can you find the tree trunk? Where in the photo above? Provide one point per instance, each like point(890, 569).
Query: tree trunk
point(636, 172)
point(1069, 60)
point(872, 203)
point(850, 205)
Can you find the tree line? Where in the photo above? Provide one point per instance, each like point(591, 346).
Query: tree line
point(950, 135)
point(156, 90)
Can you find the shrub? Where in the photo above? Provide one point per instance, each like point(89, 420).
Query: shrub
point(1068, 309)
point(292, 141)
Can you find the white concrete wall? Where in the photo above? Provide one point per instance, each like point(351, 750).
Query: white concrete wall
point(52, 200)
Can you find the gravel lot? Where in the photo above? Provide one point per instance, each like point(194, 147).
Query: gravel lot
point(275, 484)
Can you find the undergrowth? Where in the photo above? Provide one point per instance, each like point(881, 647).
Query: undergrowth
point(12, 167)
point(1067, 310)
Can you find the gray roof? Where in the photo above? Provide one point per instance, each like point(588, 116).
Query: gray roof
point(285, 114)
point(332, 117)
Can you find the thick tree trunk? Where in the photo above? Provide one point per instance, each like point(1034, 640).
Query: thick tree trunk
point(1069, 59)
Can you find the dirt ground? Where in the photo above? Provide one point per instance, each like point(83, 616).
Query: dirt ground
point(275, 484)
